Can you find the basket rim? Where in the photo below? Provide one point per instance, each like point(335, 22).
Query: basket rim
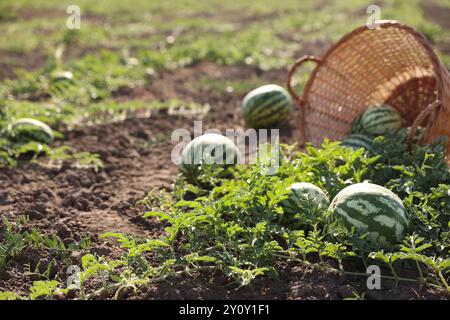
point(384, 24)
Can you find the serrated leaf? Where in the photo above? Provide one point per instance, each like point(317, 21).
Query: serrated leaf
point(189, 204)
point(444, 265)
point(157, 214)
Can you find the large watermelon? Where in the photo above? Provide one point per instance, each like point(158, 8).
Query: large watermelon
point(357, 141)
point(209, 149)
point(356, 124)
point(266, 106)
point(379, 120)
point(371, 208)
point(27, 130)
point(304, 197)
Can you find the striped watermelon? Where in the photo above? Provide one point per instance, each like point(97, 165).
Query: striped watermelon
point(62, 75)
point(266, 106)
point(26, 129)
point(209, 149)
point(305, 205)
point(357, 141)
point(373, 209)
point(303, 196)
point(356, 124)
point(380, 120)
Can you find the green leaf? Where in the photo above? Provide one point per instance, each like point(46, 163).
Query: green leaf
point(189, 204)
point(43, 288)
point(157, 214)
point(8, 295)
point(445, 264)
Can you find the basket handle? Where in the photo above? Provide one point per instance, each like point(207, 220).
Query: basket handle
point(300, 99)
point(419, 120)
point(295, 66)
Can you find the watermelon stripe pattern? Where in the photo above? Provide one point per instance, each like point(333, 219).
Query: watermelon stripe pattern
point(32, 130)
point(374, 209)
point(301, 194)
point(357, 141)
point(379, 120)
point(208, 149)
point(266, 106)
point(356, 125)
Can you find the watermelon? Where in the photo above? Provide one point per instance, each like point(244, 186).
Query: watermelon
point(61, 76)
point(209, 149)
point(26, 130)
point(357, 141)
point(266, 106)
point(372, 209)
point(356, 124)
point(303, 193)
point(379, 120)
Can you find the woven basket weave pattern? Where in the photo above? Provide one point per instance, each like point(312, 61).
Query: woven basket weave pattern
point(393, 64)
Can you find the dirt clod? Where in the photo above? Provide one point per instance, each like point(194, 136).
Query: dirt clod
point(101, 251)
point(345, 291)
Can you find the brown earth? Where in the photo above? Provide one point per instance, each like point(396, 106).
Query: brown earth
point(437, 13)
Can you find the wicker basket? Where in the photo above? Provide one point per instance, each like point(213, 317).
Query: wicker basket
point(393, 64)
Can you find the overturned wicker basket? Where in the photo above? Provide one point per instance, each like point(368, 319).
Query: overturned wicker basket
point(393, 64)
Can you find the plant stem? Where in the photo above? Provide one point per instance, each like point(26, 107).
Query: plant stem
point(441, 276)
point(361, 274)
point(422, 279)
point(397, 278)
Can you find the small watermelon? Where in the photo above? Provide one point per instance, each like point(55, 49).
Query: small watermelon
point(357, 141)
point(266, 106)
point(373, 209)
point(209, 149)
point(62, 76)
point(380, 120)
point(27, 130)
point(304, 191)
